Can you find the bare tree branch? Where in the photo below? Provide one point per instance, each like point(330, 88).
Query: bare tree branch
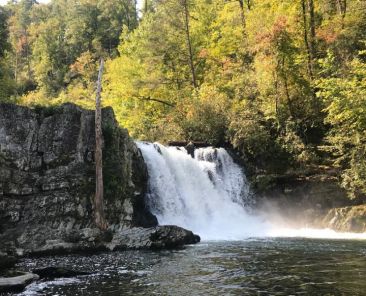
point(155, 100)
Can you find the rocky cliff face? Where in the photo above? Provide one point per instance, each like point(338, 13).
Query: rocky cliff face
point(346, 219)
point(47, 177)
point(316, 200)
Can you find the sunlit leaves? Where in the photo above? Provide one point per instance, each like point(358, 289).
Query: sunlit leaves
point(345, 95)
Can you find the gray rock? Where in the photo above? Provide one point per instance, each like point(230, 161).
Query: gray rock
point(16, 283)
point(300, 201)
point(160, 237)
point(135, 238)
point(346, 219)
point(47, 183)
point(190, 149)
point(6, 261)
point(58, 272)
point(47, 177)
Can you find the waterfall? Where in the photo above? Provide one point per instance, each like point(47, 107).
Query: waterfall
point(207, 194)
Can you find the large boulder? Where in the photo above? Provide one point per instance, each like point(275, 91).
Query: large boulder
point(135, 238)
point(6, 261)
point(47, 177)
point(160, 237)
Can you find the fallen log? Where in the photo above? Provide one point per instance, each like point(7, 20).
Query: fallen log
point(197, 144)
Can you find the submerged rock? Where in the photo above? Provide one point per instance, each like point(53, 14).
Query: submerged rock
point(58, 272)
point(16, 283)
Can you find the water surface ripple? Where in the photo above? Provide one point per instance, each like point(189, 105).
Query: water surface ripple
point(252, 267)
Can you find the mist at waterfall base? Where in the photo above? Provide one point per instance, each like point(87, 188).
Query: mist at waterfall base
point(209, 194)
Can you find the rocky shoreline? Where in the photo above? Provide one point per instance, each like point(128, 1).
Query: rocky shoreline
point(156, 238)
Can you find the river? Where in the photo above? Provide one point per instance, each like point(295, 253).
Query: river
point(268, 266)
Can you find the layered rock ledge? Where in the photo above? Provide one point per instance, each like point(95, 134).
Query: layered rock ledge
point(346, 219)
point(47, 184)
point(316, 201)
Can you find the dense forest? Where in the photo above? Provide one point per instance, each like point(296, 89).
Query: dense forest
point(281, 81)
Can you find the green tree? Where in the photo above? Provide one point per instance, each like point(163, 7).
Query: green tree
point(344, 92)
point(6, 83)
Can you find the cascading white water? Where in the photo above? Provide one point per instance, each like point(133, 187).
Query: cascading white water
point(209, 195)
point(206, 194)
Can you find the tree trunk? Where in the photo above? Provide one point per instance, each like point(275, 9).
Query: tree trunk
point(339, 6)
point(342, 9)
point(344, 12)
point(146, 6)
point(27, 55)
point(312, 52)
point(287, 91)
point(242, 14)
point(249, 4)
point(306, 40)
point(312, 31)
point(275, 79)
point(16, 67)
point(98, 202)
point(189, 44)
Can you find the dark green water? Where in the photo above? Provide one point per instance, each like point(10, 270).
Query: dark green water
point(251, 267)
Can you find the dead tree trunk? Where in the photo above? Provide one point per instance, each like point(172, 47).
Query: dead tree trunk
point(98, 201)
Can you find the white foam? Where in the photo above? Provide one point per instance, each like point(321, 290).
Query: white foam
point(209, 194)
point(315, 233)
point(36, 288)
point(205, 194)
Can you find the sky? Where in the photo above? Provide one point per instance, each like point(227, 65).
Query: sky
point(3, 2)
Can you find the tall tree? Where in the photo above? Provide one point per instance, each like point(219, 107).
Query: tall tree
point(6, 83)
point(20, 23)
point(4, 45)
